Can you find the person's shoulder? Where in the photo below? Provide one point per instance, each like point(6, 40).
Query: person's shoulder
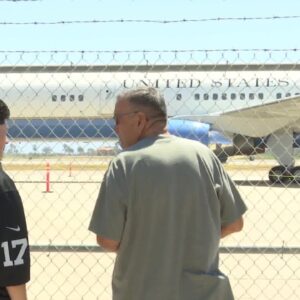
point(118, 162)
point(123, 159)
point(193, 145)
point(126, 160)
point(187, 141)
point(6, 183)
point(131, 154)
point(194, 149)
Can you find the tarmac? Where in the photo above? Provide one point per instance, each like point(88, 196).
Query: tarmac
point(262, 261)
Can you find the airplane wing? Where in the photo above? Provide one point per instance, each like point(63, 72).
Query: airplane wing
point(255, 121)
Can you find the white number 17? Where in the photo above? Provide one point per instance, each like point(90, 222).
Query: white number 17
point(14, 243)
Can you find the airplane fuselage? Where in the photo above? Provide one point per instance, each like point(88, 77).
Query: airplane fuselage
point(90, 95)
point(255, 106)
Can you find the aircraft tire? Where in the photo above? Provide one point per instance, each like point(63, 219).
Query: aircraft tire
point(296, 174)
point(222, 157)
point(279, 174)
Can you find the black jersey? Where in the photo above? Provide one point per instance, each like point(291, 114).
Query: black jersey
point(14, 248)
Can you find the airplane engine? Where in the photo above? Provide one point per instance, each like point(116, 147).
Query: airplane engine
point(245, 145)
point(190, 129)
point(202, 133)
point(242, 145)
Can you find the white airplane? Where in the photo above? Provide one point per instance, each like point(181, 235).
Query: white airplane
point(256, 106)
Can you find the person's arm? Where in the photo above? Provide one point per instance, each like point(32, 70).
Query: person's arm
point(236, 226)
point(107, 244)
point(110, 212)
point(17, 292)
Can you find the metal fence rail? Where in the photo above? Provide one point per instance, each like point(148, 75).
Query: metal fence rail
point(228, 250)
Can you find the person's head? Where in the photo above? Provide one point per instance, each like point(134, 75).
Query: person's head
point(4, 115)
point(139, 113)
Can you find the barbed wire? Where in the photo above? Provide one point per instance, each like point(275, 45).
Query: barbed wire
point(218, 19)
point(155, 51)
point(20, 0)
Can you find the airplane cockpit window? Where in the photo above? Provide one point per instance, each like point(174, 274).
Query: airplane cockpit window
point(80, 97)
point(54, 98)
point(233, 96)
point(215, 96)
point(206, 96)
point(178, 97)
point(242, 96)
point(261, 96)
point(197, 96)
point(278, 96)
point(251, 96)
point(72, 98)
point(63, 97)
point(288, 94)
point(224, 96)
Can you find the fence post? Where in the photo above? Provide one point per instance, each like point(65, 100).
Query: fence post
point(47, 178)
point(70, 170)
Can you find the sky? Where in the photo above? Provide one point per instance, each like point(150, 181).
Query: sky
point(143, 36)
point(215, 35)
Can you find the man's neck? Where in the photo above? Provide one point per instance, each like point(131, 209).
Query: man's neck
point(155, 128)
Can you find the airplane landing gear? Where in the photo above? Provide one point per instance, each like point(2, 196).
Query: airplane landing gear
point(296, 174)
point(276, 174)
point(284, 175)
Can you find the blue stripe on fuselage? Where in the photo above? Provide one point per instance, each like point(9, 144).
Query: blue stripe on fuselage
point(103, 128)
point(60, 128)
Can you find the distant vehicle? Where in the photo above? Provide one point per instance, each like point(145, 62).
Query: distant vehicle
point(249, 106)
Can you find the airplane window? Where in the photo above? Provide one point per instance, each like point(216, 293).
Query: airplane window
point(206, 96)
point(233, 96)
point(72, 97)
point(197, 96)
point(242, 96)
point(178, 97)
point(224, 96)
point(278, 96)
point(54, 98)
point(215, 96)
point(288, 94)
point(251, 96)
point(80, 97)
point(260, 96)
point(63, 97)
point(297, 94)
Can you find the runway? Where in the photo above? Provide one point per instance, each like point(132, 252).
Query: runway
point(61, 217)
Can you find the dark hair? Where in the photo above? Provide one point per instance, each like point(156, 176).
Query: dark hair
point(4, 112)
point(148, 98)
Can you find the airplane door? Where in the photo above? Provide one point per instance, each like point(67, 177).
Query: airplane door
point(106, 102)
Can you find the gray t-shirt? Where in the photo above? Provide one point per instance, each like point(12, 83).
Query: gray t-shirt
point(165, 199)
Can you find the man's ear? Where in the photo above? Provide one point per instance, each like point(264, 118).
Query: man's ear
point(142, 119)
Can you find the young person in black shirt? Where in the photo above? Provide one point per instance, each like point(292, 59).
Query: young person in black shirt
point(14, 248)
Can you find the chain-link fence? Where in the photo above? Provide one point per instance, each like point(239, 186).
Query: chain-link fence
point(243, 104)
